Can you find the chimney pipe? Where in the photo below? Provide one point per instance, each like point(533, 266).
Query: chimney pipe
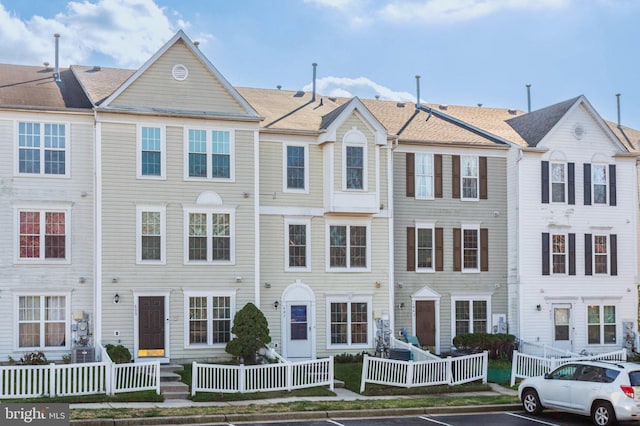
point(528, 97)
point(417, 92)
point(313, 94)
point(618, 102)
point(56, 72)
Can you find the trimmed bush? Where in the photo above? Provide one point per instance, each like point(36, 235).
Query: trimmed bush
point(118, 354)
point(251, 331)
point(499, 346)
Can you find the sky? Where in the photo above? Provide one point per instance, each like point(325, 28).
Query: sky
point(466, 52)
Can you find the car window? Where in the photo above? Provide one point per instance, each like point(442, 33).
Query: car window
point(565, 372)
point(634, 378)
point(610, 375)
point(590, 373)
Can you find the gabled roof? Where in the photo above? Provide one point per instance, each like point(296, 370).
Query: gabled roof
point(99, 83)
point(34, 87)
point(534, 126)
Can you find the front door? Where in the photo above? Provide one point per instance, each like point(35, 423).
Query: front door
point(426, 322)
point(298, 330)
point(151, 326)
point(562, 327)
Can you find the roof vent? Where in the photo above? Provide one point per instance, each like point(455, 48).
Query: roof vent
point(479, 105)
point(512, 111)
point(279, 87)
point(400, 104)
point(196, 43)
point(332, 98)
point(46, 66)
point(443, 107)
point(97, 68)
point(180, 72)
point(298, 94)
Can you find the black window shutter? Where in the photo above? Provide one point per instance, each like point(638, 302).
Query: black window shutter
point(612, 184)
point(613, 241)
point(411, 248)
point(545, 253)
point(587, 255)
point(571, 174)
point(484, 249)
point(544, 182)
point(457, 249)
point(587, 184)
point(483, 177)
point(455, 176)
point(437, 169)
point(439, 250)
point(410, 178)
point(572, 254)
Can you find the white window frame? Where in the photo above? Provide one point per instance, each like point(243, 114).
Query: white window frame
point(42, 295)
point(349, 299)
point(42, 208)
point(594, 254)
point(602, 324)
point(430, 226)
point(163, 151)
point(163, 234)
point(566, 253)
point(348, 224)
point(232, 233)
point(470, 227)
point(209, 153)
point(605, 184)
point(231, 294)
point(285, 162)
point(471, 299)
point(430, 188)
point(355, 138)
point(463, 177)
point(297, 221)
point(564, 182)
point(42, 149)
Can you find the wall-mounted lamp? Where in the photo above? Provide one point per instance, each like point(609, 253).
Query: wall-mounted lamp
point(82, 280)
point(267, 285)
point(399, 284)
point(276, 304)
point(538, 308)
point(116, 298)
point(238, 279)
point(401, 306)
point(115, 279)
point(245, 195)
point(377, 284)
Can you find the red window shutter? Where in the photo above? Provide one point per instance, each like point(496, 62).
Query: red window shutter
point(411, 174)
point(483, 177)
point(484, 249)
point(411, 248)
point(439, 250)
point(437, 168)
point(455, 176)
point(457, 249)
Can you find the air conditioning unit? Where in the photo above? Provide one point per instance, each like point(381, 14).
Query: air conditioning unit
point(83, 354)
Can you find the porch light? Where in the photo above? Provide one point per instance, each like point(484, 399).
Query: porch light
point(538, 308)
point(276, 304)
point(116, 298)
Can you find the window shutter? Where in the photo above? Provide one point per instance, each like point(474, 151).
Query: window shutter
point(411, 248)
point(613, 242)
point(484, 249)
point(587, 254)
point(545, 253)
point(587, 184)
point(544, 182)
point(455, 176)
point(571, 172)
point(439, 250)
point(411, 174)
point(437, 169)
point(457, 249)
point(612, 184)
point(572, 254)
point(483, 177)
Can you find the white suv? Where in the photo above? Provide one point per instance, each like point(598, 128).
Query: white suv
point(606, 391)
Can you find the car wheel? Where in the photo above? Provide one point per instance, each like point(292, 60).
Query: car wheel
point(602, 414)
point(531, 402)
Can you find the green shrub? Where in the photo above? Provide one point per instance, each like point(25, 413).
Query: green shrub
point(251, 331)
point(499, 346)
point(118, 354)
point(34, 358)
point(347, 358)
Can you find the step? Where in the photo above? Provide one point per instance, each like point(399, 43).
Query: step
point(169, 376)
point(170, 367)
point(176, 395)
point(173, 387)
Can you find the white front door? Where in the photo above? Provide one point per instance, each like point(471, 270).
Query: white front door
point(562, 330)
point(298, 323)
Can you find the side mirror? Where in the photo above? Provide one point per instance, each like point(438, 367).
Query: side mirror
point(547, 375)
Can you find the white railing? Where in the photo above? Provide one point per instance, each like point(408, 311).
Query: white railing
point(524, 365)
point(543, 350)
point(133, 377)
point(448, 371)
point(261, 378)
point(79, 379)
point(18, 381)
point(417, 354)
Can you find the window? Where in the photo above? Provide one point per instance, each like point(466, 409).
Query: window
point(210, 236)
point(424, 176)
point(469, 177)
point(559, 249)
point(471, 316)
point(354, 160)
point(355, 167)
point(42, 148)
point(297, 245)
point(349, 322)
point(348, 246)
point(470, 248)
point(151, 234)
point(210, 318)
point(210, 154)
point(600, 256)
point(424, 248)
point(601, 324)
point(43, 235)
point(42, 321)
point(599, 179)
point(558, 182)
point(296, 174)
point(151, 152)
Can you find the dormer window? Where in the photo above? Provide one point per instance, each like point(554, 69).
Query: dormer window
point(354, 160)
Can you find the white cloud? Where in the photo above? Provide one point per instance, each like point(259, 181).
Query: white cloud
point(126, 32)
point(360, 86)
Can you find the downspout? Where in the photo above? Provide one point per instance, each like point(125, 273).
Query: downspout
point(97, 193)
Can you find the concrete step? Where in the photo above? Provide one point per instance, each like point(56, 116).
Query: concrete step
point(173, 387)
point(175, 395)
point(170, 367)
point(169, 376)
point(338, 383)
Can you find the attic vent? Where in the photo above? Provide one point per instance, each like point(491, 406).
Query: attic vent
point(299, 94)
point(443, 107)
point(578, 131)
point(180, 72)
point(400, 104)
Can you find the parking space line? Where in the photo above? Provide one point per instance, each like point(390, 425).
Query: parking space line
point(434, 421)
point(532, 419)
point(335, 423)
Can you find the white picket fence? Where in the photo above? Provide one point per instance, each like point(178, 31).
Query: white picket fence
point(444, 371)
point(261, 378)
point(524, 365)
